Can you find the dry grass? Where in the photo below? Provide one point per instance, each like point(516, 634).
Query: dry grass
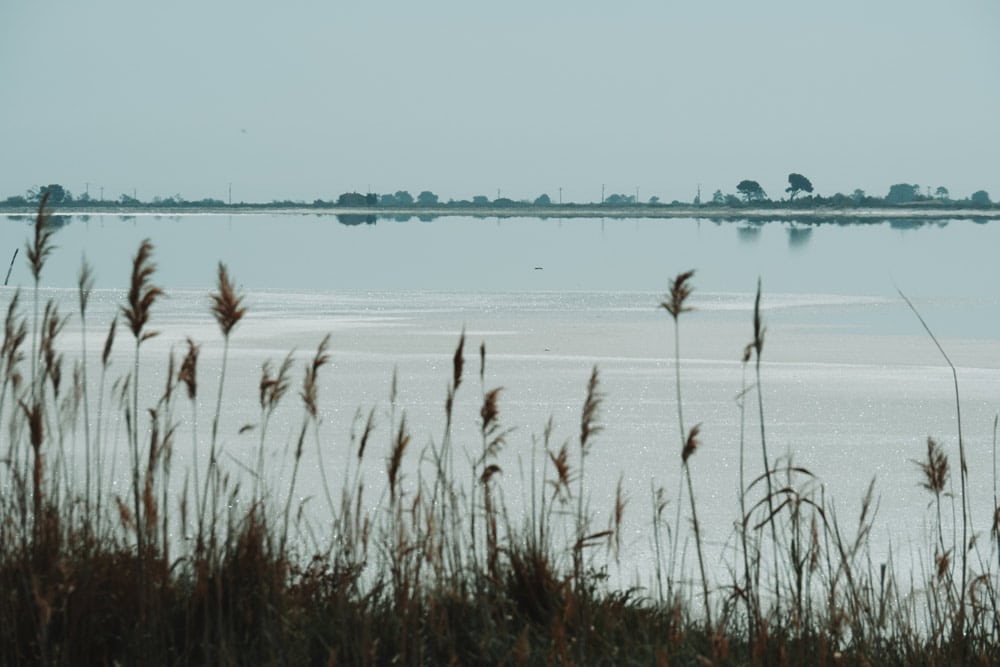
point(430, 568)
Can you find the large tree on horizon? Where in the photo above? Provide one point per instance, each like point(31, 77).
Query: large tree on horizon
point(751, 190)
point(798, 183)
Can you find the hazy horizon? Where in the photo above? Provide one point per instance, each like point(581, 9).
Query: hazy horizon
point(311, 100)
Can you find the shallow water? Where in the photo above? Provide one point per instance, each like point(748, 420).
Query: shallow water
point(852, 386)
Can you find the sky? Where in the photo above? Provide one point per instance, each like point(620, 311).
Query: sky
point(306, 99)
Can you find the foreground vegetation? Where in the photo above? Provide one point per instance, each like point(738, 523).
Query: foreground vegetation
point(434, 570)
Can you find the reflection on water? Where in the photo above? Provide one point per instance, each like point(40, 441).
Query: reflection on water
point(928, 259)
point(798, 236)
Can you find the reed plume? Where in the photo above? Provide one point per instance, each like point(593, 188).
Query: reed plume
point(310, 384)
point(227, 304)
point(396, 458)
point(272, 389)
point(41, 246)
point(142, 294)
point(188, 373)
point(680, 290)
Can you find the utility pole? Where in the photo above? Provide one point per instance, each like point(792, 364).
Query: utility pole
point(560, 195)
point(230, 194)
point(602, 193)
point(87, 188)
point(637, 195)
point(102, 193)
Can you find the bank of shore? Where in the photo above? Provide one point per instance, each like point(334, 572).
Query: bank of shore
point(819, 214)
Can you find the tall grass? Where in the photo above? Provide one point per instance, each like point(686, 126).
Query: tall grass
point(429, 567)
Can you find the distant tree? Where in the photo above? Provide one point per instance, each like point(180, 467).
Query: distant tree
point(504, 202)
point(16, 200)
point(840, 200)
point(798, 183)
point(543, 200)
point(352, 199)
point(731, 200)
point(654, 200)
point(619, 200)
point(57, 194)
point(751, 191)
point(387, 200)
point(980, 198)
point(858, 195)
point(404, 198)
point(902, 193)
point(480, 200)
point(718, 197)
point(941, 193)
point(427, 198)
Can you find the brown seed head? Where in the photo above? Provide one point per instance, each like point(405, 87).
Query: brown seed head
point(369, 427)
point(488, 473)
point(227, 303)
point(591, 406)
point(482, 361)
point(109, 341)
point(758, 326)
point(36, 421)
point(273, 388)
point(396, 459)
point(309, 386)
point(935, 468)
point(141, 293)
point(188, 373)
point(943, 562)
point(560, 461)
point(41, 247)
point(490, 411)
point(85, 284)
point(679, 292)
point(691, 444)
point(458, 362)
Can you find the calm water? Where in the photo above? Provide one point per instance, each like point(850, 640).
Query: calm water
point(852, 386)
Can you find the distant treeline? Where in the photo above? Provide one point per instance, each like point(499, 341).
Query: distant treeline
point(748, 194)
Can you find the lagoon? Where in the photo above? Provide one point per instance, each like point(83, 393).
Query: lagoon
point(852, 385)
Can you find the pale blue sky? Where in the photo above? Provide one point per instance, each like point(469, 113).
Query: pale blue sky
point(308, 99)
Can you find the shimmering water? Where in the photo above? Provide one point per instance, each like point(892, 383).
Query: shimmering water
point(852, 386)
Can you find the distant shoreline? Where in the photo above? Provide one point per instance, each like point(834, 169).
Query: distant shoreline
point(554, 211)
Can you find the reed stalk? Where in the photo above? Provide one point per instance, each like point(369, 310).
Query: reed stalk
point(141, 297)
point(758, 346)
point(963, 468)
point(85, 285)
